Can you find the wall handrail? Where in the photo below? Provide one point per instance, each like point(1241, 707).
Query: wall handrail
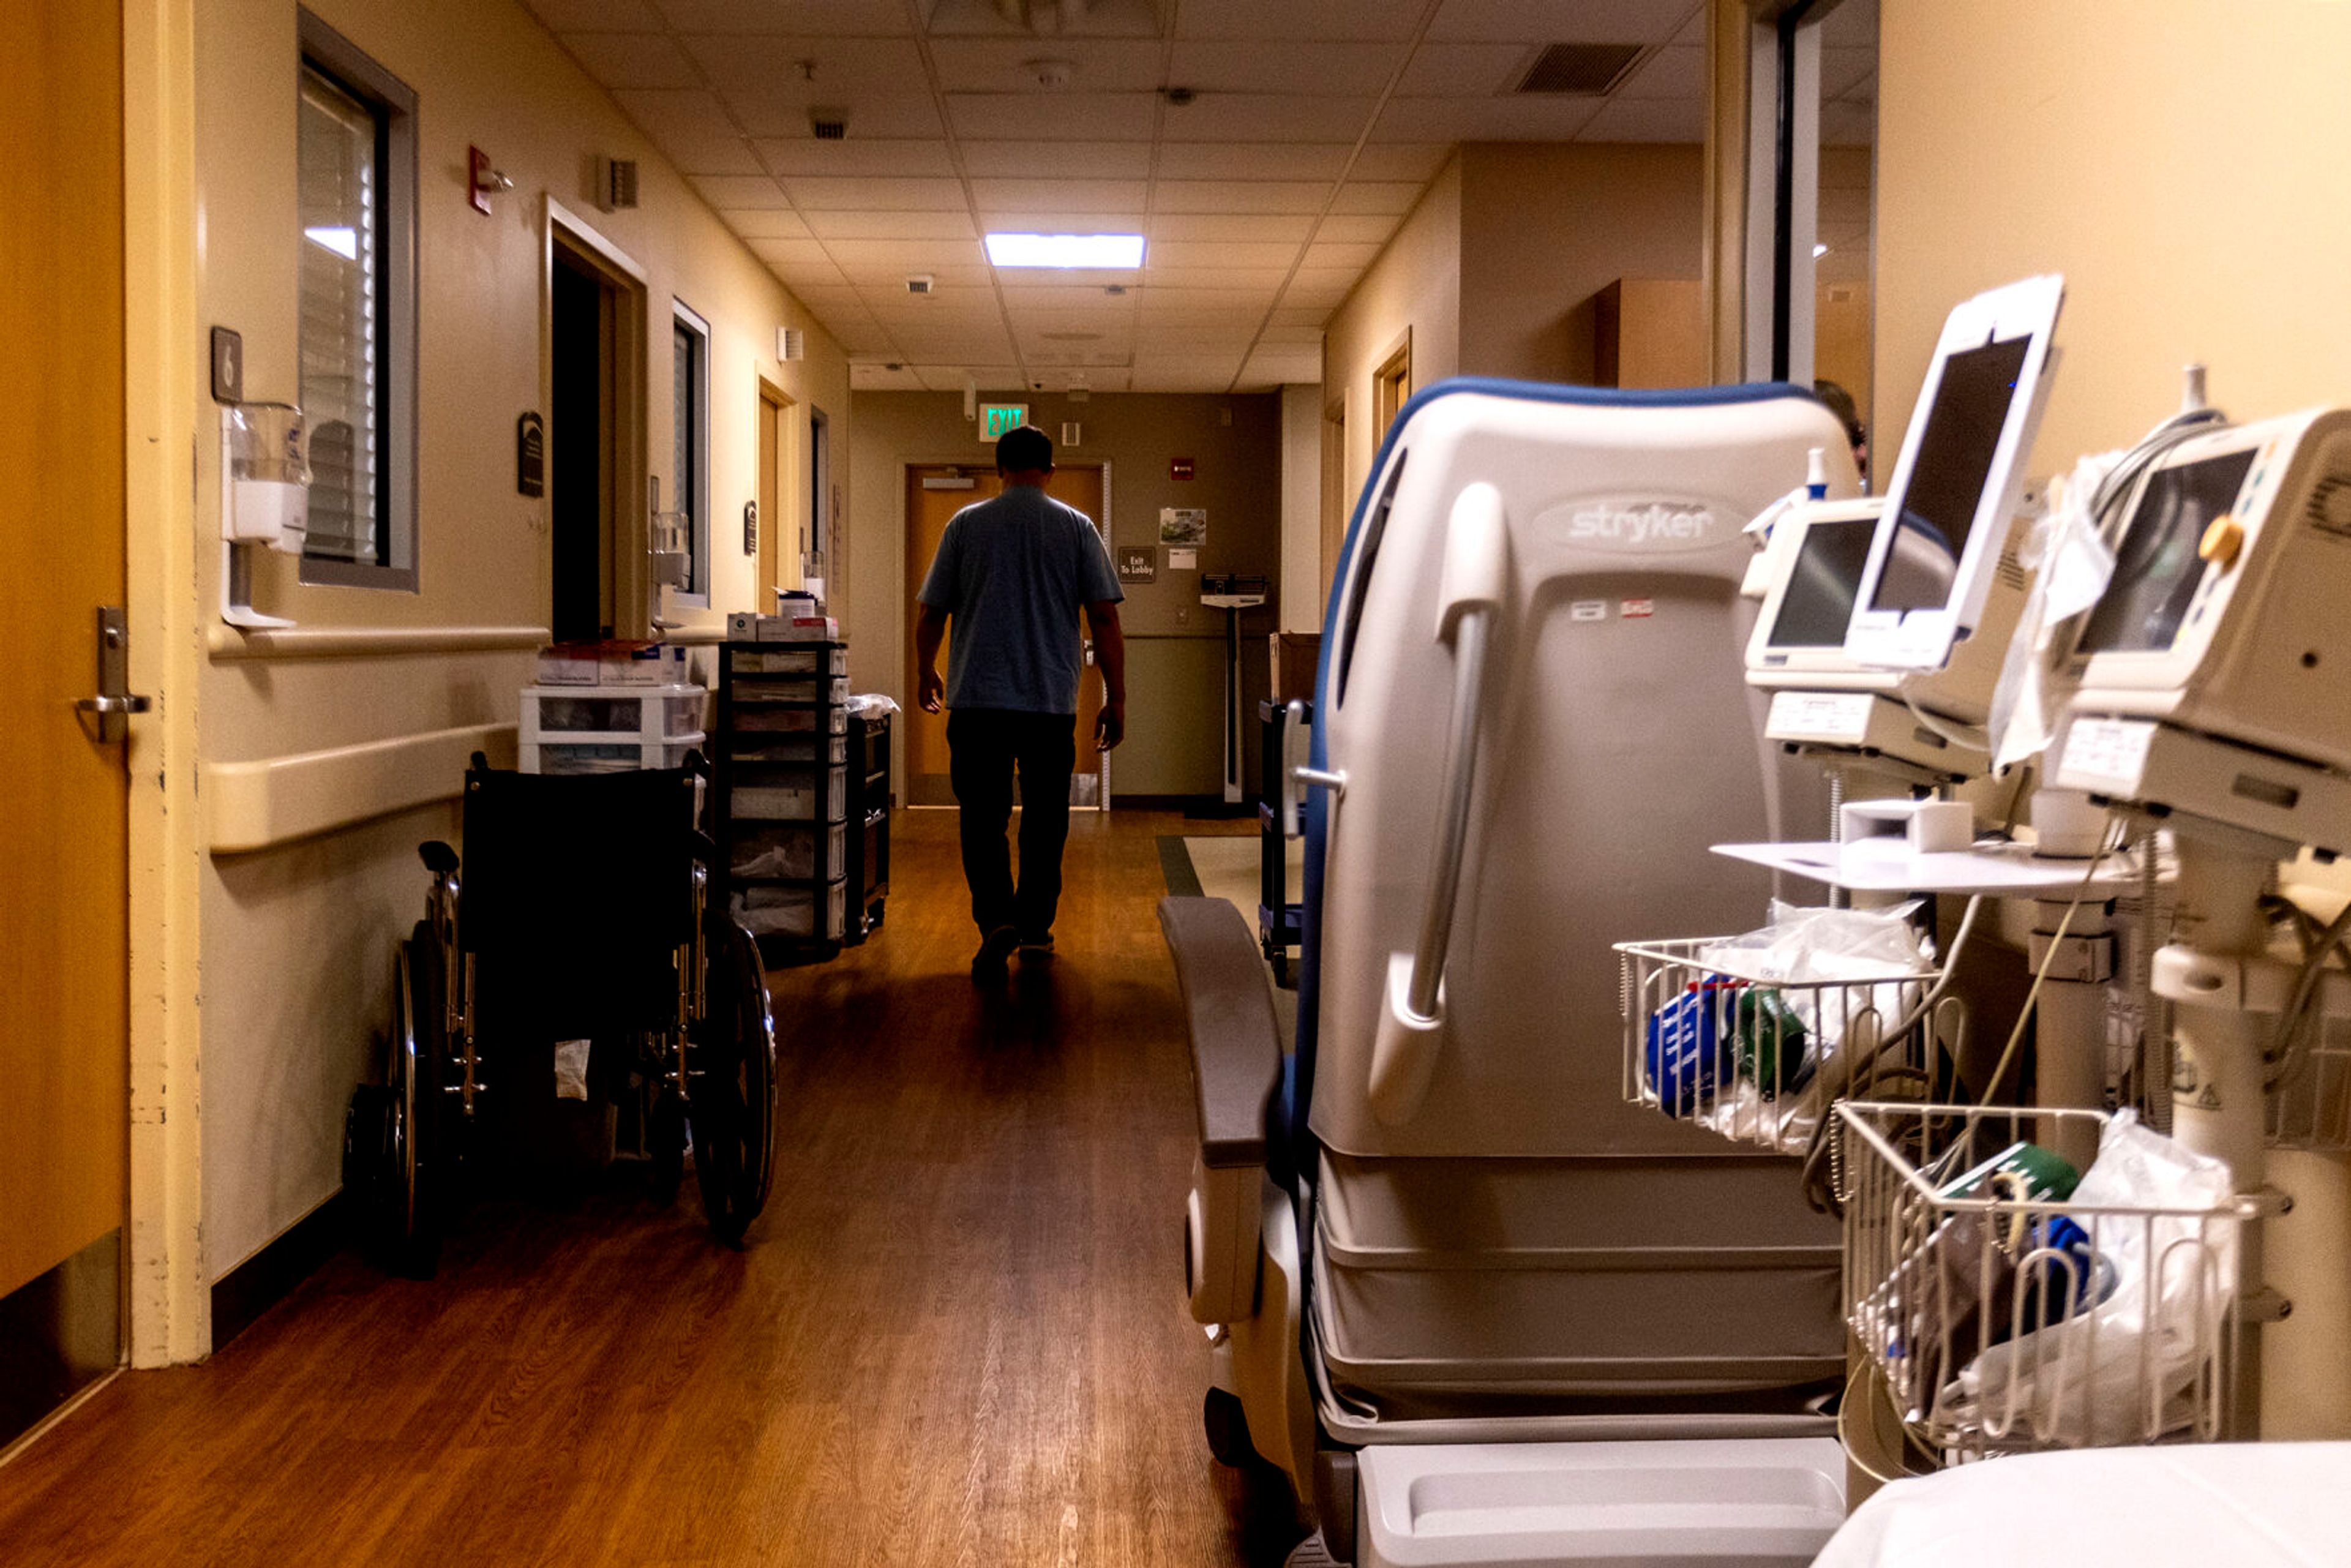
point(225, 643)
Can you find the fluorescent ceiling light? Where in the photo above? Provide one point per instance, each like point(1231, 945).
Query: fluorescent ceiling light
point(1097, 251)
point(343, 242)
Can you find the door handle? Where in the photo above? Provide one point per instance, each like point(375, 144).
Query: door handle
point(115, 702)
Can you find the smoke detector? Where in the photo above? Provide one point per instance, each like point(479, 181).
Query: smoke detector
point(1181, 97)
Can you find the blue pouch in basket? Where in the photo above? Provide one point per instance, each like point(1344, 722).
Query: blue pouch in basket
point(1687, 1046)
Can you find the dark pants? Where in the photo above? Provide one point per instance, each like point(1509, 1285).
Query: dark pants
point(985, 745)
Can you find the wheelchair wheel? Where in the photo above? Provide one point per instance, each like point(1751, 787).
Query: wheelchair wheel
point(395, 1142)
point(732, 1110)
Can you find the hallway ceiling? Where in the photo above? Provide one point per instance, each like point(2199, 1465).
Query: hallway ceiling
point(1314, 126)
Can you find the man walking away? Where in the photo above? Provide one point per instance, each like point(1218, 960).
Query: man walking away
point(1011, 576)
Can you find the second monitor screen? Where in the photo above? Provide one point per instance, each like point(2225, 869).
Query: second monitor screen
point(1822, 584)
point(1945, 485)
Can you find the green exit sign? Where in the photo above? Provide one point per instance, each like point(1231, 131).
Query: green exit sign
point(997, 418)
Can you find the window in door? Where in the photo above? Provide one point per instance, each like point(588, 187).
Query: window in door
point(690, 459)
point(356, 157)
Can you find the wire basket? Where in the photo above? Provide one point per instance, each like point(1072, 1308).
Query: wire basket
point(1758, 1058)
point(2311, 1109)
point(2006, 1318)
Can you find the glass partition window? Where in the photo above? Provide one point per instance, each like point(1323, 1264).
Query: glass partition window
point(690, 450)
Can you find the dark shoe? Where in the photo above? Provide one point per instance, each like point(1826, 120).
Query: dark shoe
point(1037, 949)
point(987, 964)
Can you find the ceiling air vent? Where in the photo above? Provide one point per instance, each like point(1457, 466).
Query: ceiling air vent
point(1581, 70)
point(827, 124)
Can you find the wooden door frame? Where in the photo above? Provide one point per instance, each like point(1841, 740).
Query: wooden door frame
point(902, 598)
point(585, 246)
point(775, 399)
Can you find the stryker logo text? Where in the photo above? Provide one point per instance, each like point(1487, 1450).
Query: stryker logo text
point(1655, 523)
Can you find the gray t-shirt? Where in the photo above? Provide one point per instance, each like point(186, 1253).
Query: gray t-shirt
point(1014, 573)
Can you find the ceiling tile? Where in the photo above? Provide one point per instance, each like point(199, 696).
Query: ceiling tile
point(781, 109)
point(1036, 221)
point(1080, 116)
point(860, 18)
point(860, 334)
point(676, 113)
point(1251, 159)
point(890, 226)
point(595, 15)
point(868, 377)
point(1246, 66)
point(764, 222)
point(1693, 30)
point(1290, 226)
point(1260, 280)
point(1401, 161)
point(843, 68)
point(1240, 197)
point(1561, 21)
point(1647, 120)
point(849, 195)
point(1534, 117)
point(1220, 254)
point(740, 191)
point(1161, 301)
point(789, 156)
point(1679, 73)
point(1322, 290)
point(886, 283)
point(1324, 254)
point(1094, 65)
point(964, 305)
point(1377, 197)
point(1293, 317)
point(1059, 195)
point(1057, 159)
point(906, 254)
point(1097, 278)
point(1275, 365)
point(709, 154)
point(830, 300)
point(1062, 296)
point(1270, 117)
point(1096, 19)
point(1293, 337)
point(1383, 19)
point(1460, 70)
point(1357, 228)
point(633, 59)
point(803, 255)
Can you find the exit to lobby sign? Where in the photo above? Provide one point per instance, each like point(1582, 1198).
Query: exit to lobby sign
point(997, 418)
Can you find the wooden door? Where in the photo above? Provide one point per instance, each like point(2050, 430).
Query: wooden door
point(64, 871)
point(934, 494)
point(771, 494)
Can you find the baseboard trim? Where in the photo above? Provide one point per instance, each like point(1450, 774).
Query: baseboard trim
point(60, 1334)
point(269, 1276)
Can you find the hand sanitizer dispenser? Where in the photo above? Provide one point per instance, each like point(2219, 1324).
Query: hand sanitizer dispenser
point(267, 449)
point(265, 499)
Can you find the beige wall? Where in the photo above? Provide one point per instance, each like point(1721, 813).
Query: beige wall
point(1545, 229)
point(1413, 286)
point(1175, 657)
point(296, 941)
point(1302, 508)
point(2187, 165)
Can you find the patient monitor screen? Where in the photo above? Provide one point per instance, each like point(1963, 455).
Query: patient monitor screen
point(2157, 567)
point(1937, 505)
point(1822, 584)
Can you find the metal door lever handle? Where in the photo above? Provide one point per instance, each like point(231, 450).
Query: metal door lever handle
point(113, 705)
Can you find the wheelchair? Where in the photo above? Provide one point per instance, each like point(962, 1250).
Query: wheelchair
point(584, 912)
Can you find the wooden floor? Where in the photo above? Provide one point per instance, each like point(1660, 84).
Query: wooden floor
point(956, 1336)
